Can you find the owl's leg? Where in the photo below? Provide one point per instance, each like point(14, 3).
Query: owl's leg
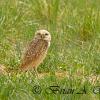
point(36, 73)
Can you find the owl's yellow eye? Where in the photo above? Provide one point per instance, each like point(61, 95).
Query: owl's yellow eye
point(38, 33)
point(46, 33)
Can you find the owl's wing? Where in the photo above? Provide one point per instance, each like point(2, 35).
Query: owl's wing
point(33, 51)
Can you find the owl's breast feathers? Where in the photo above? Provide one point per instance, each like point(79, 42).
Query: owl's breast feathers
point(35, 53)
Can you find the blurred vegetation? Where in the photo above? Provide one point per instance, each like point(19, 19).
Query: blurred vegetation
point(73, 24)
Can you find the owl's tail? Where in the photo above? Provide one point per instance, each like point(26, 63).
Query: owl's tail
point(3, 70)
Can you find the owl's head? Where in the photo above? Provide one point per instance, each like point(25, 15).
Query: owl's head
point(43, 34)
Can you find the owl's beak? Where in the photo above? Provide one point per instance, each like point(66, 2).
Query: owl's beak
point(42, 36)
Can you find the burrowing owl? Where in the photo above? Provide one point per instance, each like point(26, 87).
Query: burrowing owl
point(36, 50)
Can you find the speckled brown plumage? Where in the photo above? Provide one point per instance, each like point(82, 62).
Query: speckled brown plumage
point(36, 50)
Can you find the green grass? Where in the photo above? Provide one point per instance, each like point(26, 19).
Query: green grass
point(75, 46)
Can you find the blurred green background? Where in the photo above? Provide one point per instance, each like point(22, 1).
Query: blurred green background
point(75, 29)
